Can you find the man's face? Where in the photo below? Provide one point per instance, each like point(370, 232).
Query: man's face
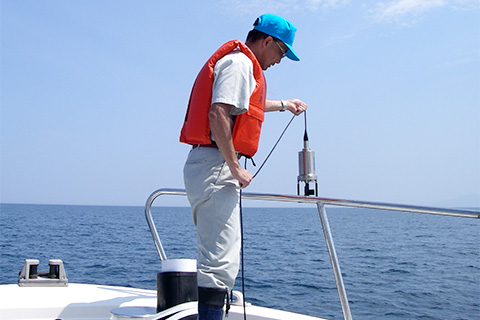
point(274, 51)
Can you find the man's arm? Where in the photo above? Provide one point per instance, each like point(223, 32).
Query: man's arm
point(221, 128)
point(295, 106)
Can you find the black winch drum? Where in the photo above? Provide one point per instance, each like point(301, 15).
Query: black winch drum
point(176, 285)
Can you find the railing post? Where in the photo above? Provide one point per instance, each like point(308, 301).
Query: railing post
point(151, 224)
point(334, 260)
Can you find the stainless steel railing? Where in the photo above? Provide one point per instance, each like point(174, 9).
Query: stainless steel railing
point(321, 203)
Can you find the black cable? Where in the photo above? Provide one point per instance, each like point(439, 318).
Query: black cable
point(241, 250)
point(271, 151)
point(241, 215)
point(305, 114)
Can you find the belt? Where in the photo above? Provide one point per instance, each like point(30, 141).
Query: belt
point(213, 145)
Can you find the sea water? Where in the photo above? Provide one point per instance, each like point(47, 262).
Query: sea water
point(395, 265)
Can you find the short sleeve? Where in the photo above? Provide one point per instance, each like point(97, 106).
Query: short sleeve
point(234, 82)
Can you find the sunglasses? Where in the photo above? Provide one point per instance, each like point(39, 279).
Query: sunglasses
point(284, 52)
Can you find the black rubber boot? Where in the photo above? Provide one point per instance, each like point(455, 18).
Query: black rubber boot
point(210, 303)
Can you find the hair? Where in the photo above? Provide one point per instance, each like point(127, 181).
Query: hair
point(255, 35)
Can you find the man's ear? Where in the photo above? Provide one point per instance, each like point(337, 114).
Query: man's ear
point(266, 41)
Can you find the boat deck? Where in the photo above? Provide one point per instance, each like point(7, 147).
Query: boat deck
point(94, 302)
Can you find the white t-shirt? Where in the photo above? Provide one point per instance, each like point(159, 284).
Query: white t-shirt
point(233, 81)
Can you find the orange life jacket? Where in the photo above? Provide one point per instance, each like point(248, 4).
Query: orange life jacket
point(247, 126)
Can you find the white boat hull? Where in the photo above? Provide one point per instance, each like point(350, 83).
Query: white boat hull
point(88, 301)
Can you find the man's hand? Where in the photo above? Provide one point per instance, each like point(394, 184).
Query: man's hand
point(243, 176)
point(296, 106)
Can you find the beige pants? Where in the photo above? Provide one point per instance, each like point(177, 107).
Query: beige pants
point(214, 196)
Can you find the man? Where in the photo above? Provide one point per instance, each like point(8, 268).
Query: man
point(223, 123)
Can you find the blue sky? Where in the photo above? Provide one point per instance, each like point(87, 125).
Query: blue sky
point(93, 95)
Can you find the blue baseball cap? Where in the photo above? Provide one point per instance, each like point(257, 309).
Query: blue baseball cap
point(279, 28)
